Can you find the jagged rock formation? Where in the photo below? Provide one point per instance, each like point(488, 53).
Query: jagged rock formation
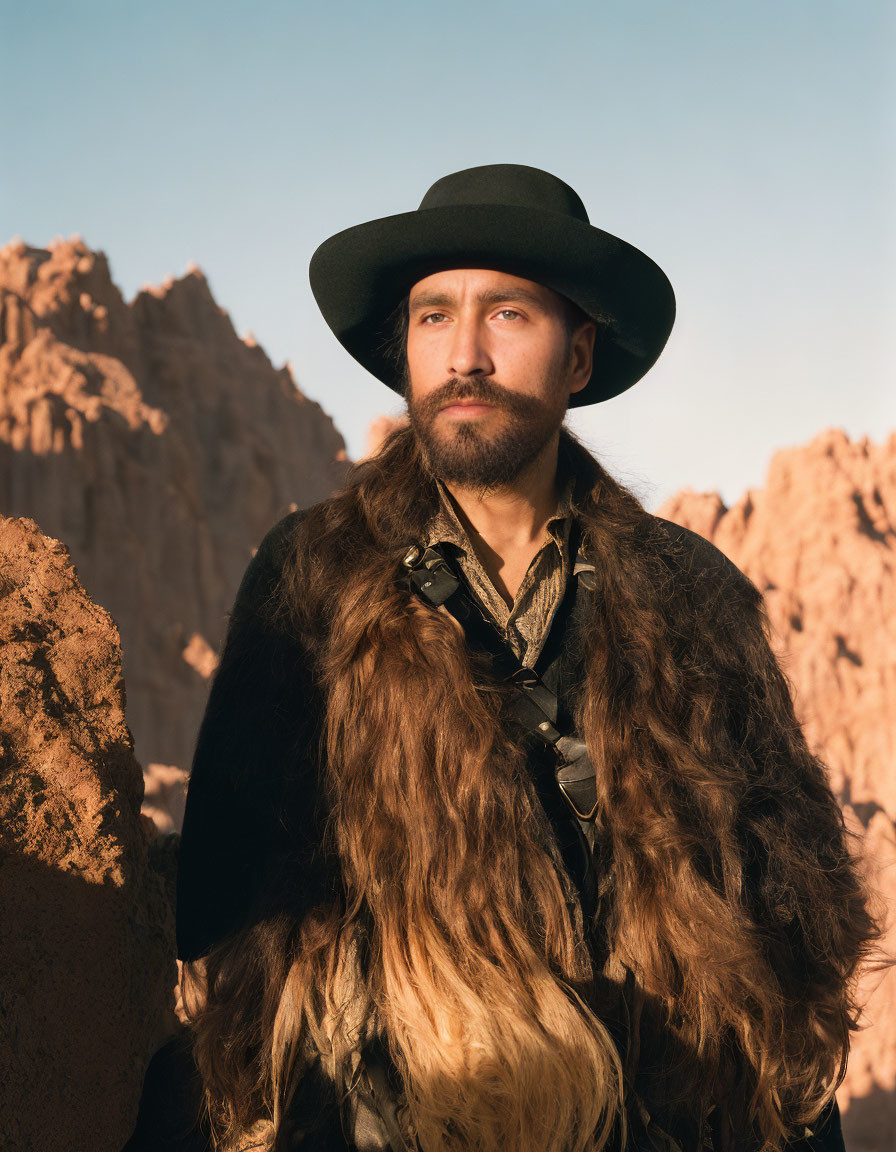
point(160, 447)
point(819, 540)
point(87, 952)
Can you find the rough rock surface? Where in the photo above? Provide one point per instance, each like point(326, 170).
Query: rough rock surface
point(160, 447)
point(819, 540)
point(87, 948)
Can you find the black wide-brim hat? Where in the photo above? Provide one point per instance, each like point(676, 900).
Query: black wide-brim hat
point(510, 218)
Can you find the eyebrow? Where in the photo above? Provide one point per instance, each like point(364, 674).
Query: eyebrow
point(489, 296)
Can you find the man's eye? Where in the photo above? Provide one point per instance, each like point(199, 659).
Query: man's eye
point(433, 316)
point(511, 312)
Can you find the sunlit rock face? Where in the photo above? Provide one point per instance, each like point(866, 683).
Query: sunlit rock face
point(819, 540)
point(160, 447)
point(87, 968)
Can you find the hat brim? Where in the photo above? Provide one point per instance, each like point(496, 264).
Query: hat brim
point(360, 275)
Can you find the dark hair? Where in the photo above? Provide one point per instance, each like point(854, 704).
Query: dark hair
point(574, 317)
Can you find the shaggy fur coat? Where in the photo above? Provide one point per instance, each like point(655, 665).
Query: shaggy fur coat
point(716, 766)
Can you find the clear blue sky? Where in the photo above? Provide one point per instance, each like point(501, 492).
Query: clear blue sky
point(748, 147)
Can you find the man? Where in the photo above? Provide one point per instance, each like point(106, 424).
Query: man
point(501, 833)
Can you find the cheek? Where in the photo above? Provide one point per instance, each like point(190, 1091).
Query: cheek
point(536, 367)
point(421, 362)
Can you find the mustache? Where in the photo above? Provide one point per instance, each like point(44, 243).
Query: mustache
point(458, 388)
point(481, 389)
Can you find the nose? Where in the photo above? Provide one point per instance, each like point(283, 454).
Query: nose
point(467, 352)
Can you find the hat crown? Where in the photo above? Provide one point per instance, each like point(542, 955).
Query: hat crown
point(506, 184)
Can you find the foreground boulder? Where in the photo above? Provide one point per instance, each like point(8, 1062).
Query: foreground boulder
point(87, 948)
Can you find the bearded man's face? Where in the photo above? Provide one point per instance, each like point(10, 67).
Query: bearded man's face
point(491, 364)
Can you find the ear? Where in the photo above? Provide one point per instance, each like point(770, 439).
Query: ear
point(581, 356)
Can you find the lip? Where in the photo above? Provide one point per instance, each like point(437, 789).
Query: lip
point(473, 407)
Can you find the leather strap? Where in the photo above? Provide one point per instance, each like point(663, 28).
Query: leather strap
point(532, 705)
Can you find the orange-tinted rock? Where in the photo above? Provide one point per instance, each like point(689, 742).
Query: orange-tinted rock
point(160, 447)
point(165, 795)
point(819, 540)
point(87, 949)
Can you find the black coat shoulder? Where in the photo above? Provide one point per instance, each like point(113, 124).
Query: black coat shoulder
point(262, 575)
point(712, 584)
point(696, 551)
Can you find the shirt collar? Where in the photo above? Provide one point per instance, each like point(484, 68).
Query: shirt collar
point(446, 528)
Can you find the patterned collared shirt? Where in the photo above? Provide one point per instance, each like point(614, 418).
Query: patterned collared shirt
point(525, 624)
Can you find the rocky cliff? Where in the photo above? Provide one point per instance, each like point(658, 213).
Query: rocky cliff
point(819, 540)
point(160, 447)
point(87, 949)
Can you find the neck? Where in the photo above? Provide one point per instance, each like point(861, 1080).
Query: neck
point(512, 518)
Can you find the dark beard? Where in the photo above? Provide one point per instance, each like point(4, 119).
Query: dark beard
point(475, 458)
